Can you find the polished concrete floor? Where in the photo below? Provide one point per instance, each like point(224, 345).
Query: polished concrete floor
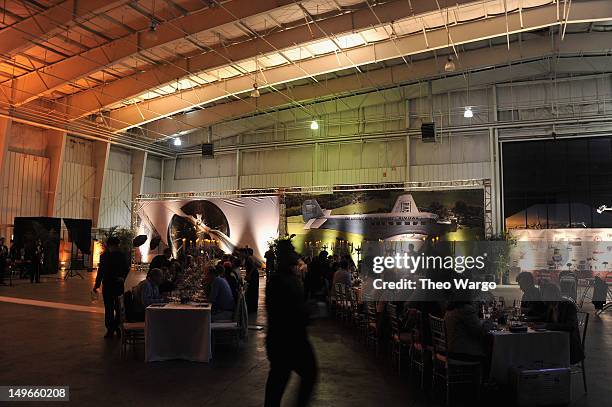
point(47, 344)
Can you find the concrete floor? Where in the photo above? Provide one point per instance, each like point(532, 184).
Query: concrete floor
point(49, 346)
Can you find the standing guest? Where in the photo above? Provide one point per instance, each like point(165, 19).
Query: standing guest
point(4, 255)
point(314, 281)
point(287, 341)
point(531, 302)
point(39, 258)
point(342, 275)
point(231, 278)
point(270, 259)
point(112, 271)
point(221, 297)
point(161, 260)
point(252, 277)
point(147, 293)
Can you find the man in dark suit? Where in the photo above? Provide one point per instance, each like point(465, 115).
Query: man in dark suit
point(287, 341)
point(112, 271)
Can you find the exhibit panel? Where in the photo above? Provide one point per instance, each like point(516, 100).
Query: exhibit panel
point(186, 225)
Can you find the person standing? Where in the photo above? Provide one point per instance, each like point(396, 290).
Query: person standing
point(112, 271)
point(252, 277)
point(37, 265)
point(287, 343)
point(270, 259)
point(4, 255)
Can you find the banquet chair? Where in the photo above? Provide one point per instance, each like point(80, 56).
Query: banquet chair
point(371, 324)
point(417, 347)
point(132, 333)
point(339, 300)
point(399, 340)
point(452, 371)
point(578, 368)
point(358, 318)
point(234, 330)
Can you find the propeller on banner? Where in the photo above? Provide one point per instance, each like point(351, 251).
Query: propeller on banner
point(139, 240)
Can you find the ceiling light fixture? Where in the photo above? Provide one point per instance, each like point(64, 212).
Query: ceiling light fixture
point(468, 114)
point(449, 66)
point(314, 125)
point(255, 92)
point(151, 33)
point(99, 118)
point(177, 141)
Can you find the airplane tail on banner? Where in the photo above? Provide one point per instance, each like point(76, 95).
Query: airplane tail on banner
point(311, 210)
point(405, 204)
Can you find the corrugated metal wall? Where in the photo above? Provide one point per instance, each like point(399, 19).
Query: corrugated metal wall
point(76, 197)
point(24, 182)
point(115, 207)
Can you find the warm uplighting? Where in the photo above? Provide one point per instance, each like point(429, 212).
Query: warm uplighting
point(468, 114)
point(314, 125)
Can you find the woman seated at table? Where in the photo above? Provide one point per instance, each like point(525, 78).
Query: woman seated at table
point(562, 315)
point(465, 332)
point(221, 297)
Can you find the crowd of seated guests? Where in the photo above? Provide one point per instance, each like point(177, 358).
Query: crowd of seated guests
point(221, 282)
point(466, 329)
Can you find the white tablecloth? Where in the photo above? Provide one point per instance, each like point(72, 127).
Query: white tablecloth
point(177, 331)
point(527, 349)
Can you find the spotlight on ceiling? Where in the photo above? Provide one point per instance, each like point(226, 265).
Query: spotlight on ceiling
point(468, 114)
point(151, 33)
point(449, 66)
point(314, 125)
point(255, 92)
point(177, 141)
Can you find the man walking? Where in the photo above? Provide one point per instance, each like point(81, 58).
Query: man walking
point(287, 341)
point(112, 271)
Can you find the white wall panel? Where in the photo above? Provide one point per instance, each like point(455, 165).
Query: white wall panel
point(201, 184)
point(151, 186)
point(119, 159)
point(289, 179)
point(76, 196)
point(154, 167)
point(24, 182)
point(115, 207)
point(449, 172)
point(78, 151)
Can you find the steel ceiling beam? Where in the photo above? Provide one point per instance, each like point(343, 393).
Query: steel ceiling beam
point(527, 20)
point(19, 36)
point(574, 44)
point(106, 95)
point(28, 87)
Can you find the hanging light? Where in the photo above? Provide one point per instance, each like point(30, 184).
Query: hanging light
point(151, 33)
point(314, 125)
point(468, 114)
point(177, 141)
point(255, 92)
point(99, 118)
point(449, 66)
